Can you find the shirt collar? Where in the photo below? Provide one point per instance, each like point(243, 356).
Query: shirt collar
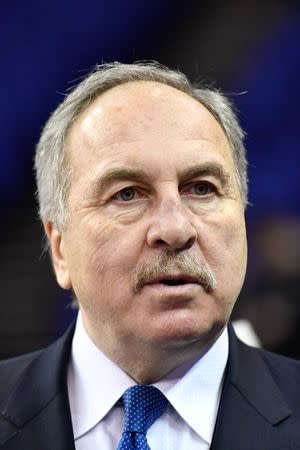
point(193, 389)
point(196, 393)
point(95, 383)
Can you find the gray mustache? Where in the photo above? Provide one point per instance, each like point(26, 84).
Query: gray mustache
point(165, 264)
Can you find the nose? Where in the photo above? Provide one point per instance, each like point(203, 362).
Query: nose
point(171, 228)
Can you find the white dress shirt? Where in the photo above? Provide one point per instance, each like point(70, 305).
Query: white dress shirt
point(95, 385)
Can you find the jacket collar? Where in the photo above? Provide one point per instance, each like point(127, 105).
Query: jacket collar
point(250, 375)
point(39, 404)
point(251, 404)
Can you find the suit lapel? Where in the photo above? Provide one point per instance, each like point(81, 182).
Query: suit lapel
point(252, 409)
point(37, 414)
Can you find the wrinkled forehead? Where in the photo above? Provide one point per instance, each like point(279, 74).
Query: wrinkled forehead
point(127, 106)
point(144, 110)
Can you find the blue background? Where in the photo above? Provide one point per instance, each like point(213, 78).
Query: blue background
point(47, 46)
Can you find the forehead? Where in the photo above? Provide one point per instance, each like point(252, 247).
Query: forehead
point(143, 111)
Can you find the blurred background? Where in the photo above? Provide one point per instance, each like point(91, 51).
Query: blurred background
point(250, 49)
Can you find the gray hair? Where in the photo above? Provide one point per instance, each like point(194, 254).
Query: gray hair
point(53, 171)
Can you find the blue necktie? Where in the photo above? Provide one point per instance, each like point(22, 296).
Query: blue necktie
point(143, 405)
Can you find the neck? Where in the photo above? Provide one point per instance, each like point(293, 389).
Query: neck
point(151, 370)
point(148, 362)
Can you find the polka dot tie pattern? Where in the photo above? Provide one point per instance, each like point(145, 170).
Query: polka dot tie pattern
point(143, 405)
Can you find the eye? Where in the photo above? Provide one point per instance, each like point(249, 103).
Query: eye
point(126, 194)
point(202, 188)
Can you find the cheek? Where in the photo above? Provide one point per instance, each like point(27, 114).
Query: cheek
point(226, 249)
point(100, 268)
point(108, 252)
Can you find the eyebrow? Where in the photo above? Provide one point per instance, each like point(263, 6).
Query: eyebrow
point(126, 174)
point(212, 169)
point(118, 174)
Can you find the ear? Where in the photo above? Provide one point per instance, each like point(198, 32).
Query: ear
point(58, 255)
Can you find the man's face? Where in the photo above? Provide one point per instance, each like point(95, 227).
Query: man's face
point(153, 201)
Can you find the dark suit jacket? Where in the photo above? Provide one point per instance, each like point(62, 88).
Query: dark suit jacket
point(259, 409)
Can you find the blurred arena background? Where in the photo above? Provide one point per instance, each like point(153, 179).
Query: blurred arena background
point(248, 47)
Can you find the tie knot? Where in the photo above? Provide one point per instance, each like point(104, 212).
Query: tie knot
point(143, 405)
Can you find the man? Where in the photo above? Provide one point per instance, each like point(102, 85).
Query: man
point(142, 188)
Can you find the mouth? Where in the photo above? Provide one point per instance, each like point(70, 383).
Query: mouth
point(178, 273)
point(173, 281)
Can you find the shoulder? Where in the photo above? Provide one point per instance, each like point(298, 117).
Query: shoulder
point(279, 362)
point(284, 371)
point(9, 368)
point(12, 369)
point(41, 367)
point(280, 366)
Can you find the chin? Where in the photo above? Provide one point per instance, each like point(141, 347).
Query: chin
point(178, 332)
